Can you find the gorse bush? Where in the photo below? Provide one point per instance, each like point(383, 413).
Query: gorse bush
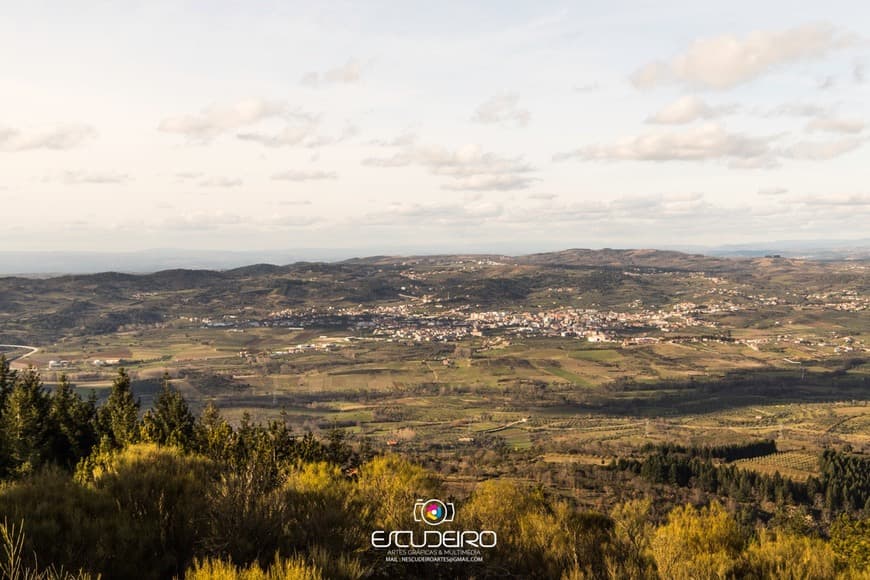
point(782, 555)
point(696, 544)
point(294, 568)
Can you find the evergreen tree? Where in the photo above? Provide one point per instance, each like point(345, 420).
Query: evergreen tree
point(215, 437)
point(72, 420)
point(118, 419)
point(26, 423)
point(5, 386)
point(170, 421)
point(7, 379)
point(338, 450)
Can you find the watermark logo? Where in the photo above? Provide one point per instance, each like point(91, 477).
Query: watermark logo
point(434, 545)
point(433, 511)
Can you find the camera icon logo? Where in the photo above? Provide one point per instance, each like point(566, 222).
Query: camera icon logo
point(433, 511)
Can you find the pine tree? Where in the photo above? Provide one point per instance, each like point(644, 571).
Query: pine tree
point(118, 419)
point(26, 423)
point(170, 422)
point(7, 379)
point(214, 436)
point(72, 421)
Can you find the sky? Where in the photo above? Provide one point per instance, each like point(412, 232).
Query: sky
point(431, 126)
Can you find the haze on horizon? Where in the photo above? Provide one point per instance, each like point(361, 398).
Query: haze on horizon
point(237, 126)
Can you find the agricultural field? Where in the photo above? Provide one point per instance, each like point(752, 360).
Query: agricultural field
point(556, 396)
point(797, 465)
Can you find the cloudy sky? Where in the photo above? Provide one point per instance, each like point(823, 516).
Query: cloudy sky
point(384, 126)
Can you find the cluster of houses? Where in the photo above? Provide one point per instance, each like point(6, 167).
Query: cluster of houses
point(417, 319)
point(54, 365)
point(413, 322)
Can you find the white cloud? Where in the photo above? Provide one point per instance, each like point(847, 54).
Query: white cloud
point(294, 202)
point(650, 75)
point(686, 110)
point(823, 150)
point(89, 177)
point(349, 132)
point(706, 142)
point(711, 142)
point(348, 73)
point(797, 110)
point(217, 120)
point(772, 191)
point(490, 183)
point(290, 221)
point(288, 136)
point(58, 138)
point(644, 205)
point(220, 220)
point(615, 217)
point(314, 175)
point(185, 175)
point(836, 125)
point(502, 109)
point(94, 177)
point(305, 133)
point(468, 161)
point(202, 220)
point(400, 159)
point(663, 210)
point(267, 122)
point(405, 139)
point(434, 213)
point(470, 167)
point(726, 61)
point(856, 200)
point(767, 161)
point(223, 182)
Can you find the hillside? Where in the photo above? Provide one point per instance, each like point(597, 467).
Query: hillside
point(39, 310)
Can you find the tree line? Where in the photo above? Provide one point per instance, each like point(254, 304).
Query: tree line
point(729, 452)
point(60, 428)
point(843, 485)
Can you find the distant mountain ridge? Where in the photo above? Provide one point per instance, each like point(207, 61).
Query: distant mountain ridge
point(574, 257)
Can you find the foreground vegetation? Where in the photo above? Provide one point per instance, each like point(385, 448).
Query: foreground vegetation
point(104, 490)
